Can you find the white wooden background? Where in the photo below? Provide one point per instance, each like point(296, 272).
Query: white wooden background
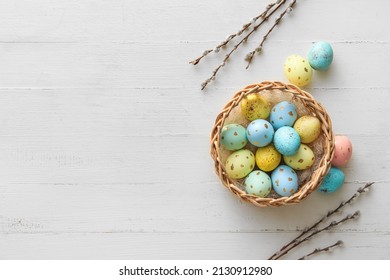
point(104, 133)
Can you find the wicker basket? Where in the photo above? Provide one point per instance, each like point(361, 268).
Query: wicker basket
point(310, 180)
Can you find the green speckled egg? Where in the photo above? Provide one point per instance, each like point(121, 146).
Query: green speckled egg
point(258, 183)
point(320, 55)
point(253, 107)
point(233, 137)
point(302, 160)
point(332, 181)
point(239, 164)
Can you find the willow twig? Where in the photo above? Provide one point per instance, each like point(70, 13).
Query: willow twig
point(232, 36)
point(329, 214)
point(320, 250)
point(310, 236)
point(205, 83)
point(259, 48)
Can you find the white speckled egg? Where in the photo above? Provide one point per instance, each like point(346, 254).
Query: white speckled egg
point(302, 160)
point(258, 183)
point(260, 133)
point(283, 114)
point(308, 128)
point(284, 180)
point(233, 137)
point(287, 141)
point(297, 70)
point(332, 181)
point(239, 164)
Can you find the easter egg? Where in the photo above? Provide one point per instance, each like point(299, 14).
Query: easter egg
point(342, 151)
point(284, 180)
point(287, 141)
point(283, 114)
point(308, 128)
point(302, 160)
point(320, 55)
point(253, 107)
point(258, 183)
point(332, 181)
point(233, 137)
point(268, 158)
point(297, 70)
point(239, 164)
point(260, 133)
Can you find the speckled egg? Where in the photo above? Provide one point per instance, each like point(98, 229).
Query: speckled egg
point(332, 181)
point(253, 107)
point(260, 133)
point(258, 183)
point(239, 164)
point(308, 128)
point(287, 141)
point(233, 137)
point(284, 180)
point(297, 70)
point(283, 114)
point(342, 151)
point(268, 158)
point(320, 55)
point(302, 160)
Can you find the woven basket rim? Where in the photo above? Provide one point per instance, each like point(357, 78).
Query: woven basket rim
point(319, 173)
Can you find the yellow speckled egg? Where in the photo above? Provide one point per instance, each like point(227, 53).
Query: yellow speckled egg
point(268, 158)
point(253, 107)
point(239, 164)
point(298, 70)
point(302, 160)
point(308, 128)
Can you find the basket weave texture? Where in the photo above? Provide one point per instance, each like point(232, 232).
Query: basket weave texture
point(310, 179)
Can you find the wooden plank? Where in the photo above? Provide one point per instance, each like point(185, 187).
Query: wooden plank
point(170, 207)
point(185, 246)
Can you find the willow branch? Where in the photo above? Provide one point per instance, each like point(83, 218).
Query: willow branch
point(259, 48)
point(329, 214)
point(320, 250)
point(232, 36)
point(243, 40)
point(314, 233)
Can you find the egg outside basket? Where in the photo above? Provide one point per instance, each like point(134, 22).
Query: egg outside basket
point(323, 147)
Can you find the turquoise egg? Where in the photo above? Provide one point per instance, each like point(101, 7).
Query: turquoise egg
point(233, 137)
point(283, 114)
point(284, 180)
point(320, 55)
point(332, 181)
point(260, 133)
point(287, 141)
point(258, 183)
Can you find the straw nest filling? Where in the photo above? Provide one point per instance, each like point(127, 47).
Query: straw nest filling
point(323, 146)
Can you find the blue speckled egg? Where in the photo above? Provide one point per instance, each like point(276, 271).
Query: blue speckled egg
point(332, 181)
point(233, 137)
point(320, 55)
point(260, 133)
point(258, 183)
point(287, 141)
point(284, 180)
point(283, 114)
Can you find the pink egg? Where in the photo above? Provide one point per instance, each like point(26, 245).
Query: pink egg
point(342, 151)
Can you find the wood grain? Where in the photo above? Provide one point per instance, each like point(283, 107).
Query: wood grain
point(104, 147)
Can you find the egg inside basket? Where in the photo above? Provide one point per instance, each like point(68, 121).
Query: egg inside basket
point(274, 93)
